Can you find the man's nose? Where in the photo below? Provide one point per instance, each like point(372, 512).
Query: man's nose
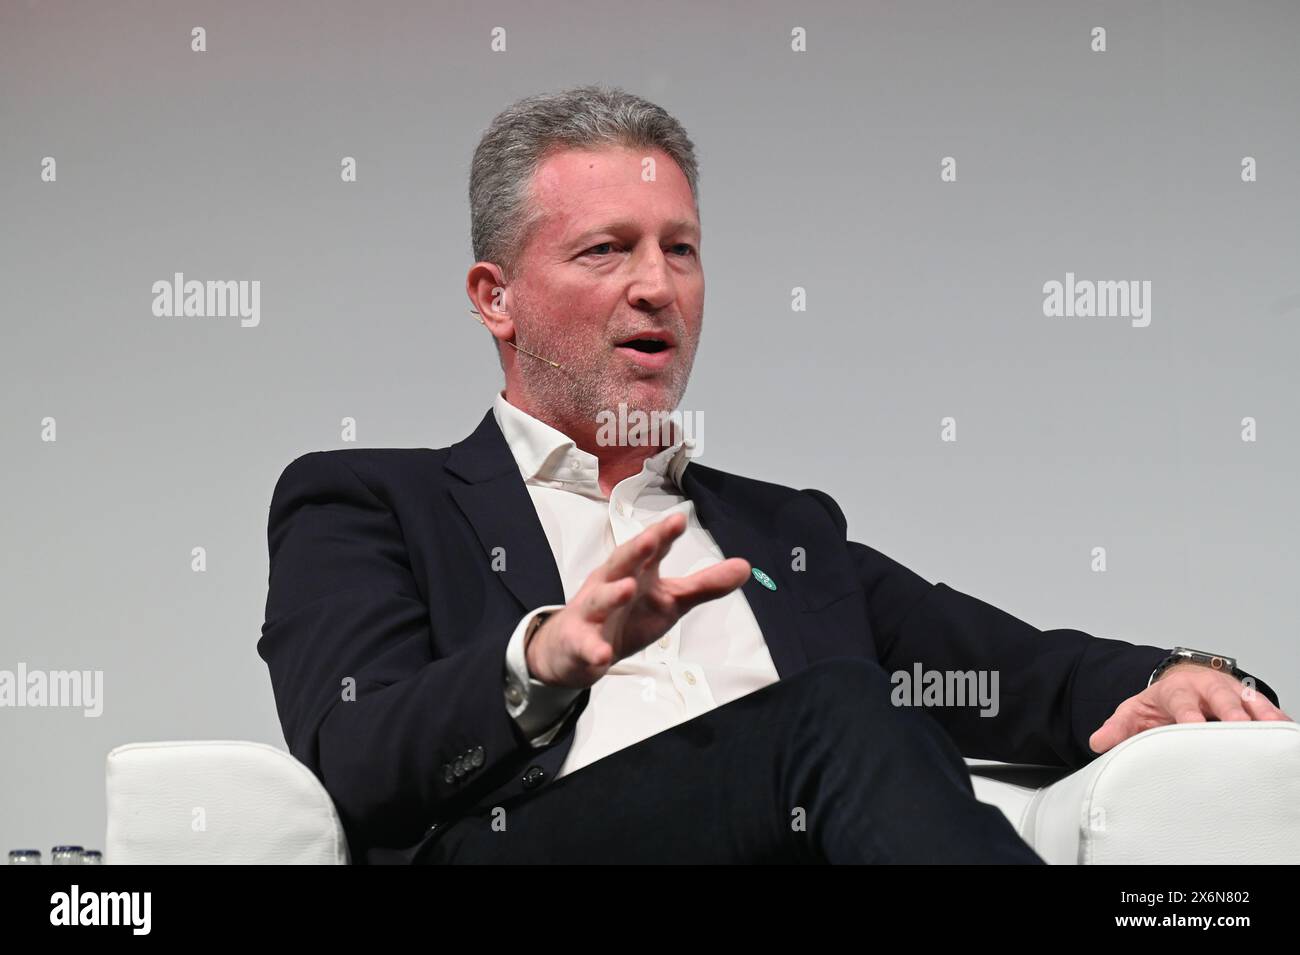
point(652, 282)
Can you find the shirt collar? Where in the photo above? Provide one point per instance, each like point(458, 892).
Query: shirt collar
point(546, 454)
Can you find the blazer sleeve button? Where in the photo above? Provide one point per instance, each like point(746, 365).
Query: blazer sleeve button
point(533, 777)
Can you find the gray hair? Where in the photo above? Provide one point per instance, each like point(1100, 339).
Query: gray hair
point(502, 214)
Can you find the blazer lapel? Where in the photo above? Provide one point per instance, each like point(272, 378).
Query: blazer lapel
point(497, 504)
point(778, 613)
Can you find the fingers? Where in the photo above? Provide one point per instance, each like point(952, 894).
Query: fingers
point(651, 544)
point(708, 584)
point(1138, 713)
point(1225, 699)
point(1225, 703)
point(629, 556)
point(1184, 706)
point(606, 598)
point(1112, 732)
point(667, 535)
point(1189, 703)
point(1260, 707)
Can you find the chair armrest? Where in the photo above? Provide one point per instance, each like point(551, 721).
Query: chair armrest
point(1011, 786)
point(217, 802)
point(1199, 793)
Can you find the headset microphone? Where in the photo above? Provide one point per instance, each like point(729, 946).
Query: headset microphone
point(479, 319)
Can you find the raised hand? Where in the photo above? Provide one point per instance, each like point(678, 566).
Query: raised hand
point(623, 606)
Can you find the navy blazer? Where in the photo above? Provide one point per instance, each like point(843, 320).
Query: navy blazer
point(386, 630)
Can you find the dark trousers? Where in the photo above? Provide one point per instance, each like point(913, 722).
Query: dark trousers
point(820, 767)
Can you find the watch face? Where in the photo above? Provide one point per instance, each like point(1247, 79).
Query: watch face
point(1214, 661)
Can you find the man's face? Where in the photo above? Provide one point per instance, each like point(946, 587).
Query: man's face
point(615, 257)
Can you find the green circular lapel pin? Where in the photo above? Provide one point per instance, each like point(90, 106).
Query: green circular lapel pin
point(763, 579)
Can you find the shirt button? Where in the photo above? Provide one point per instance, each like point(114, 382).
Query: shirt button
point(690, 677)
point(664, 642)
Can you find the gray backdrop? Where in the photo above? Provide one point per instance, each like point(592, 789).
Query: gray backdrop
point(819, 169)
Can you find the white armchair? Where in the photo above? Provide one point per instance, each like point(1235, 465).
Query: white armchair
point(1187, 793)
point(215, 802)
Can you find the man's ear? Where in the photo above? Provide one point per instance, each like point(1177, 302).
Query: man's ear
point(487, 290)
point(500, 298)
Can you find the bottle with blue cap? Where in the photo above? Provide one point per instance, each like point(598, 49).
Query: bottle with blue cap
point(66, 855)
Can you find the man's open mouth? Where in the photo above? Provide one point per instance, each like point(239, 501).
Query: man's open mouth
point(647, 345)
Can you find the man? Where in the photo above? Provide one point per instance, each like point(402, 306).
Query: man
point(539, 645)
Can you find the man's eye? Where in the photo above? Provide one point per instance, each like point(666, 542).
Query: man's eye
point(684, 248)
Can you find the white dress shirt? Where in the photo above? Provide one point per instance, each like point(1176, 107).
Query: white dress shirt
point(714, 654)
